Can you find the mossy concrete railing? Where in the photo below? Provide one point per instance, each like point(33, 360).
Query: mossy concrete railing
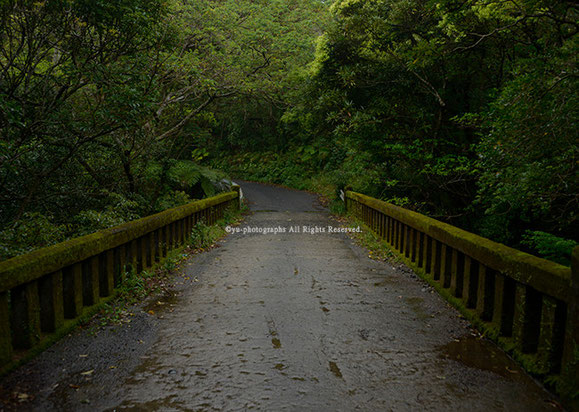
point(528, 303)
point(42, 291)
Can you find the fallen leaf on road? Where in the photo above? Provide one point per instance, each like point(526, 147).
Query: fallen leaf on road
point(87, 373)
point(83, 356)
point(73, 386)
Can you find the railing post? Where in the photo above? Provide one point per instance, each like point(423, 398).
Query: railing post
point(25, 315)
point(72, 284)
point(156, 245)
point(107, 273)
point(410, 243)
point(548, 340)
point(237, 189)
point(427, 253)
point(436, 250)
point(570, 361)
point(91, 280)
point(499, 317)
point(120, 264)
point(469, 283)
point(5, 333)
point(134, 255)
point(445, 254)
point(51, 302)
point(455, 279)
point(485, 293)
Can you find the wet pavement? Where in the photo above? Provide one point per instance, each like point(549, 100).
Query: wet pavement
point(286, 321)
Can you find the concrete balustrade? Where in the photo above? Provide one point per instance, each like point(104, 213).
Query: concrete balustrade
point(43, 292)
point(528, 304)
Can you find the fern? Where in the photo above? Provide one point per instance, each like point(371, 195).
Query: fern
point(550, 246)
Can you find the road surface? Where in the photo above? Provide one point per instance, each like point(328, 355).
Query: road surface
point(281, 321)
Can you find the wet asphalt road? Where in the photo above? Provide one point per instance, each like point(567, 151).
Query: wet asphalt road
point(288, 321)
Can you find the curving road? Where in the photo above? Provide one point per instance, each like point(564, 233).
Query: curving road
point(281, 321)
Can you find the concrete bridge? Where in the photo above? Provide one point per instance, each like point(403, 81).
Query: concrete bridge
point(287, 320)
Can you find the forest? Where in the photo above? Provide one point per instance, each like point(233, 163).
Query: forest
point(465, 111)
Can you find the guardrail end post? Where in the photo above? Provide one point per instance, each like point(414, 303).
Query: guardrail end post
point(237, 188)
point(570, 361)
point(5, 334)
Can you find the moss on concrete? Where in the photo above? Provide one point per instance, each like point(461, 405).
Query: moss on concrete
point(15, 359)
point(560, 383)
point(31, 266)
point(545, 276)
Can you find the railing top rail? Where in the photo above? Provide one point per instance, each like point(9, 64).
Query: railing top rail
point(30, 266)
point(545, 276)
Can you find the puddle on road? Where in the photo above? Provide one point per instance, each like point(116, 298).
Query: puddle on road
point(168, 300)
point(481, 354)
point(415, 304)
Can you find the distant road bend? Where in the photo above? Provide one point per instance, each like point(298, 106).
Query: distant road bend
point(286, 321)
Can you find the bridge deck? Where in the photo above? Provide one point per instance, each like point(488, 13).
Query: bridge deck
point(292, 321)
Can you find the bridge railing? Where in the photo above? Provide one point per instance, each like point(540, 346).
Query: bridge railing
point(528, 303)
point(44, 291)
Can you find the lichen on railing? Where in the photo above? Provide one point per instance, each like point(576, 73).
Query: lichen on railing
point(42, 291)
point(528, 304)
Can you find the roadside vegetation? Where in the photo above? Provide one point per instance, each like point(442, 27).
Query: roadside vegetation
point(107, 108)
point(466, 112)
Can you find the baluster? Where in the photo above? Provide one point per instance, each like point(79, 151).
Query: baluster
point(457, 274)
point(51, 302)
point(167, 238)
point(470, 282)
point(90, 281)
point(569, 363)
point(25, 315)
point(445, 261)
point(156, 245)
point(134, 255)
point(72, 290)
point(550, 336)
point(107, 273)
point(436, 258)
point(526, 318)
point(5, 333)
point(427, 253)
point(503, 304)
point(401, 237)
point(485, 292)
point(420, 246)
point(120, 264)
point(141, 254)
point(413, 241)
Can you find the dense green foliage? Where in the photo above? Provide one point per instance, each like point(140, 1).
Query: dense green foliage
point(466, 111)
point(107, 107)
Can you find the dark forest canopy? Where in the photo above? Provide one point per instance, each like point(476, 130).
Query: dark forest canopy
point(466, 111)
point(107, 107)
